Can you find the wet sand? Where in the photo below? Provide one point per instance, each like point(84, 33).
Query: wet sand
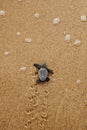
point(61, 103)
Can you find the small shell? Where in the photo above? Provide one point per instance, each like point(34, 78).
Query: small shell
point(77, 42)
point(78, 81)
point(23, 68)
point(56, 20)
point(83, 18)
point(28, 40)
point(67, 38)
point(37, 15)
point(6, 53)
point(18, 33)
point(2, 12)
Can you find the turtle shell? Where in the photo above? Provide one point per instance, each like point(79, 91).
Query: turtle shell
point(43, 74)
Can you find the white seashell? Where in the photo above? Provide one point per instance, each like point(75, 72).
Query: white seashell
point(28, 40)
point(23, 68)
point(56, 20)
point(67, 38)
point(18, 33)
point(78, 81)
point(83, 18)
point(37, 15)
point(77, 42)
point(2, 12)
point(6, 53)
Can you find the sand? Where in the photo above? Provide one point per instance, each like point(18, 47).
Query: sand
point(61, 103)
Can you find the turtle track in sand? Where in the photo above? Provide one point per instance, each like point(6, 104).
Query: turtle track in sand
point(36, 112)
point(31, 113)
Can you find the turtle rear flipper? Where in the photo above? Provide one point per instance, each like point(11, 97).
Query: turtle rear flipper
point(38, 81)
point(47, 79)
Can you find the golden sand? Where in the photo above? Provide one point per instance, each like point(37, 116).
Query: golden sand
point(61, 103)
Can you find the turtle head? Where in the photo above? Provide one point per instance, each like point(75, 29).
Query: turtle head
point(43, 65)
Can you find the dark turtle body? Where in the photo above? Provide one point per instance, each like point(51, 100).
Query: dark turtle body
point(43, 72)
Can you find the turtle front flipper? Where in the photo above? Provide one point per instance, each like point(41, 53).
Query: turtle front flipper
point(37, 66)
point(50, 71)
point(36, 72)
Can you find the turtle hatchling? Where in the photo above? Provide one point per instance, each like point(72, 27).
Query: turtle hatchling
point(43, 72)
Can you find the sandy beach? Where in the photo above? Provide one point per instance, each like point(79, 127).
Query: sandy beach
point(50, 31)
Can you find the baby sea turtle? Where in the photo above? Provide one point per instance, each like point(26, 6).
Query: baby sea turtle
point(43, 72)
